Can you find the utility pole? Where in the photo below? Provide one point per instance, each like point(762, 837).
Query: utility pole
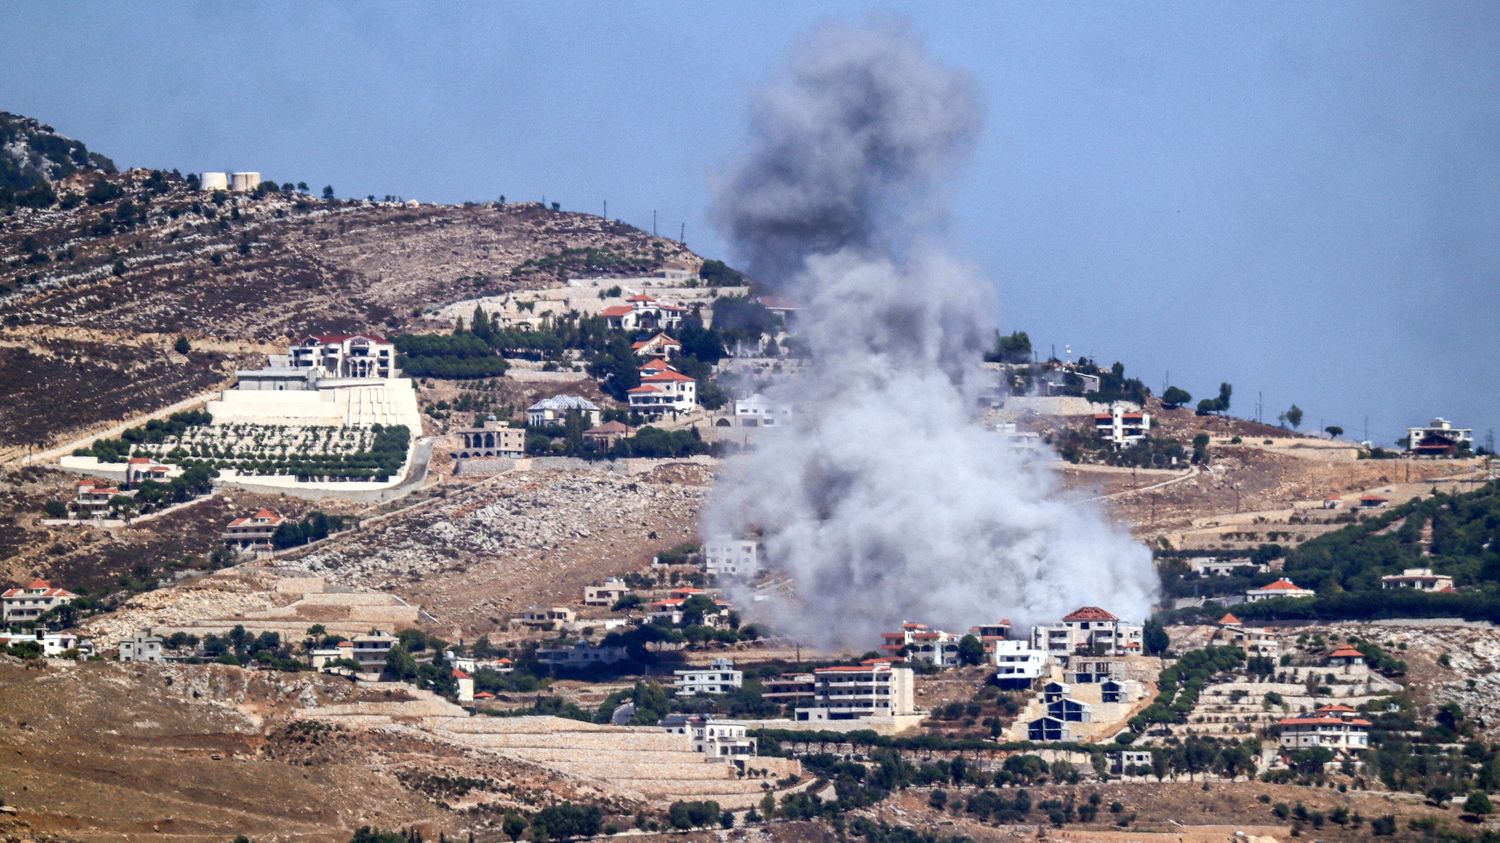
point(1367, 428)
point(606, 210)
point(653, 222)
point(682, 234)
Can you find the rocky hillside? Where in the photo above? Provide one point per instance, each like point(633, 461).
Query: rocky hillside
point(33, 157)
point(96, 286)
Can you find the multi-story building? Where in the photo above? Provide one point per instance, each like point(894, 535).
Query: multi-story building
point(1088, 630)
point(716, 679)
point(19, 605)
point(493, 438)
point(731, 558)
point(53, 644)
point(579, 655)
point(91, 500)
point(991, 634)
point(370, 650)
point(253, 533)
point(1061, 711)
point(346, 355)
point(1338, 728)
point(1121, 426)
point(138, 469)
point(1256, 642)
point(1018, 665)
point(759, 411)
point(607, 594)
point(555, 410)
point(723, 740)
point(1419, 579)
point(792, 689)
point(142, 647)
point(1438, 439)
point(642, 312)
point(663, 391)
point(553, 618)
point(874, 688)
point(661, 346)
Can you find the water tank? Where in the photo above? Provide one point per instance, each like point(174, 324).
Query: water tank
point(214, 181)
point(245, 182)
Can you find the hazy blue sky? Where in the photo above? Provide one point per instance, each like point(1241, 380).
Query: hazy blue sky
point(1302, 199)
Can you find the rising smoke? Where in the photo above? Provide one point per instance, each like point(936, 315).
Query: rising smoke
point(887, 499)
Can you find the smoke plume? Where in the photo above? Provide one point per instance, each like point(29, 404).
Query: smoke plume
point(886, 499)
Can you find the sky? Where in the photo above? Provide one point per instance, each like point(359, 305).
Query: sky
point(1301, 199)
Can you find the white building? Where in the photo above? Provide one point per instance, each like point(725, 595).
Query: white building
point(1018, 665)
point(915, 641)
point(553, 618)
point(759, 411)
point(244, 182)
point(579, 655)
point(663, 391)
point(1438, 439)
point(731, 558)
point(1419, 579)
point(492, 438)
point(370, 650)
point(53, 644)
point(1281, 588)
point(1122, 426)
point(554, 410)
point(141, 647)
point(1089, 629)
point(644, 313)
point(346, 355)
point(605, 595)
point(1331, 727)
point(18, 605)
point(874, 688)
point(213, 181)
point(465, 685)
point(660, 346)
point(716, 679)
point(91, 500)
point(252, 533)
point(138, 469)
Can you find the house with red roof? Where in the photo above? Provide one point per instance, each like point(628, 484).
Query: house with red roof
point(1088, 630)
point(1339, 728)
point(1122, 426)
point(642, 312)
point(346, 355)
point(252, 533)
point(1373, 501)
point(19, 605)
point(1281, 588)
point(660, 347)
point(663, 391)
point(465, 685)
point(138, 469)
point(872, 688)
point(91, 498)
point(1348, 661)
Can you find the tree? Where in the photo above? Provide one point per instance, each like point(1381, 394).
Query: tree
point(1200, 449)
point(970, 650)
point(1207, 406)
point(328, 192)
point(182, 346)
point(1015, 348)
point(56, 509)
point(1478, 805)
point(1175, 397)
point(1334, 431)
point(119, 268)
point(1225, 390)
point(1294, 416)
point(514, 826)
point(1154, 637)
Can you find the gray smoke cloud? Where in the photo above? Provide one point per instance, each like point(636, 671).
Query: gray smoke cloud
point(887, 499)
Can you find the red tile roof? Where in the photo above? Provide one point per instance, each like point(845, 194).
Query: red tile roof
point(1228, 619)
point(1282, 584)
point(1346, 653)
point(666, 375)
point(1334, 709)
point(641, 297)
point(1322, 721)
point(641, 390)
point(1089, 613)
point(616, 310)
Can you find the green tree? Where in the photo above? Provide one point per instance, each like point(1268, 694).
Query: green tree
point(1334, 431)
point(328, 192)
point(400, 666)
point(970, 650)
point(1207, 406)
point(1225, 391)
point(1294, 416)
point(1478, 804)
point(514, 825)
point(182, 346)
point(1154, 637)
point(1175, 397)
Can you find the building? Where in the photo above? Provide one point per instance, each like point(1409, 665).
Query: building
point(716, 679)
point(1348, 661)
point(671, 613)
point(20, 605)
point(1331, 727)
point(1373, 501)
point(1061, 710)
point(370, 650)
point(141, 647)
point(663, 391)
point(660, 346)
point(644, 313)
point(1256, 642)
point(792, 689)
point(139, 469)
point(1281, 588)
point(1333, 502)
point(1419, 579)
point(731, 558)
point(1122, 427)
point(346, 355)
point(579, 655)
point(465, 685)
point(759, 411)
point(604, 436)
point(991, 634)
point(1438, 439)
point(553, 618)
point(213, 181)
point(1018, 665)
point(1088, 670)
point(1124, 761)
point(493, 438)
point(605, 595)
point(253, 533)
point(244, 182)
point(53, 644)
point(874, 688)
point(917, 642)
point(722, 740)
point(554, 410)
point(91, 500)
point(1088, 630)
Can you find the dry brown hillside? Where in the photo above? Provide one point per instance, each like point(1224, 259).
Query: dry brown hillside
point(103, 289)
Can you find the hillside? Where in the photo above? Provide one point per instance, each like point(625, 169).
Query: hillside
point(95, 288)
point(34, 157)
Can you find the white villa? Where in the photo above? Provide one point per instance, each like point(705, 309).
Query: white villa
point(759, 411)
point(1121, 426)
point(33, 601)
point(731, 557)
point(642, 312)
point(661, 346)
point(663, 390)
point(1438, 439)
point(1281, 588)
point(1089, 629)
point(555, 410)
point(1419, 579)
point(1018, 665)
point(346, 355)
point(716, 679)
point(1335, 727)
point(252, 533)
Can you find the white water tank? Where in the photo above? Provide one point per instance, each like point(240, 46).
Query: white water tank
point(214, 181)
point(245, 182)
